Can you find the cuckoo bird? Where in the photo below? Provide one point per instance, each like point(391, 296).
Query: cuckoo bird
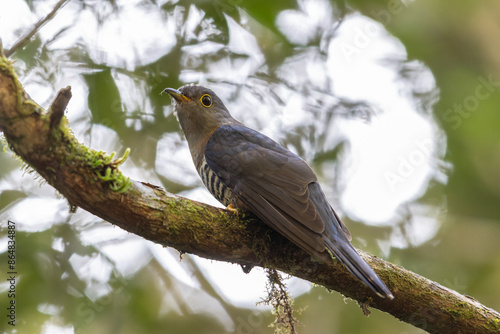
point(245, 169)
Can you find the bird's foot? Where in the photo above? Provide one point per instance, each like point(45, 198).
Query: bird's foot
point(246, 268)
point(231, 208)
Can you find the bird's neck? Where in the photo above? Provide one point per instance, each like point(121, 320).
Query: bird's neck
point(197, 145)
point(197, 136)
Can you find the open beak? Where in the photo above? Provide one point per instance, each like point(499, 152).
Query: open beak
point(177, 95)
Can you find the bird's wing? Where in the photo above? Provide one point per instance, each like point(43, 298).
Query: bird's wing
point(282, 190)
point(270, 181)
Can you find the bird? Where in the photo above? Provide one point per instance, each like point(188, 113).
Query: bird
point(244, 169)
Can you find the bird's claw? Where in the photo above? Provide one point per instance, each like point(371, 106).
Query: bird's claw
point(231, 208)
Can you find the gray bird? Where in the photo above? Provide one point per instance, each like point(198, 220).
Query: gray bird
point(243, 168)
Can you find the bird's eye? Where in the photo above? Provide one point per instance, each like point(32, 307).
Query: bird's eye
point(206, 100)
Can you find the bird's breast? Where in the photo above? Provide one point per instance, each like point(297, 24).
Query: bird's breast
point(214, 184)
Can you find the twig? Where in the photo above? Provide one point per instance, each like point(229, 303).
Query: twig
point(59, 106)
point(25, 39)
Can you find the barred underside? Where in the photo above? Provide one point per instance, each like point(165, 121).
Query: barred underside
point(214, 185)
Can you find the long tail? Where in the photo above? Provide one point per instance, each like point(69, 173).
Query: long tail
point(345, 253)
point(337, 242)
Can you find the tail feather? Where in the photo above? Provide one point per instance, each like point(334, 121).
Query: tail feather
point(345, 253)
point(336, 238)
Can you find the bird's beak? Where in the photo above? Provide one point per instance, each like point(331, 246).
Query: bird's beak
point(177, 95)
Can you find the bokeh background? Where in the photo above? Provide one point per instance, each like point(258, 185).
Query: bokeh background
point(393, 103)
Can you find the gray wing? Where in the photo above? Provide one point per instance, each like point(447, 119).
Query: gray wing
point(282, 190)
point(270, 181)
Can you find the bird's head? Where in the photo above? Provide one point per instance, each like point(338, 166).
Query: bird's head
point(200, 112)
point(200, 106)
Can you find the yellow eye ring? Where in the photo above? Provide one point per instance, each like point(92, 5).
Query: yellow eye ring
point(206, 100)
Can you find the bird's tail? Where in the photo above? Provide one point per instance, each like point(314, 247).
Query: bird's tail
point(336, 238)
point(345, 253)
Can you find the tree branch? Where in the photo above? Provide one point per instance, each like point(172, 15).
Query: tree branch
point(92, 181)
point(26, 38)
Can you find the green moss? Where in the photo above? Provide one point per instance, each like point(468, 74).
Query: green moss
point(7, 67)
point(461, 310)
point(102, 164)
point(492, 326)
point(106, 169)
point(203, 221)
point(496, 325)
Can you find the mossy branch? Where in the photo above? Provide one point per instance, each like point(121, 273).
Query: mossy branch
point(91, 180)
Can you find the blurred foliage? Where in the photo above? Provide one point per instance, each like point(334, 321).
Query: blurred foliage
point(458, 41)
